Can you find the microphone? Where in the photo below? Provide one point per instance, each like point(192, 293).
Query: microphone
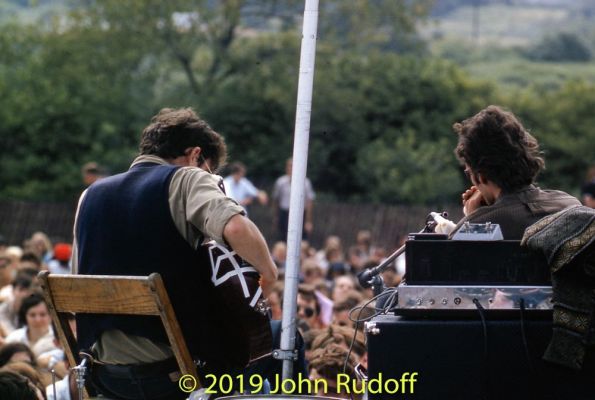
point(443, 225)
point(433, 221)
point(366, 277)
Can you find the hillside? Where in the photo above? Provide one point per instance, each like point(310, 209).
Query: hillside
point(496, 41)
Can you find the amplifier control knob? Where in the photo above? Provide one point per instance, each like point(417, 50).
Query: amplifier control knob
point(419, 301)
point(445, 301)
point(431, 301)
point(457, 300)
point(371, 328)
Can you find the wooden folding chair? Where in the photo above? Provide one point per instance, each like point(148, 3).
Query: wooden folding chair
point(107, 294)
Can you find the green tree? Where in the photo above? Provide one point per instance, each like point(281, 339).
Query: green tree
point(65, 101)
point(409, 157)
point(562, 120)
point(560, 47)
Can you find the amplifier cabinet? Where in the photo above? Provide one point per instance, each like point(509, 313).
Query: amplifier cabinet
point(451, 363)
point(452, 262)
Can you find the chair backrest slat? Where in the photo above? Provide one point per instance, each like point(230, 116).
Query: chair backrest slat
point(110, 295)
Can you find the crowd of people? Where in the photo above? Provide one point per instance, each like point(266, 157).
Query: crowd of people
point(30, 354)
point(328, 292)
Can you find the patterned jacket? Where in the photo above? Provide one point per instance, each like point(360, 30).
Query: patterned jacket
point(567, 239)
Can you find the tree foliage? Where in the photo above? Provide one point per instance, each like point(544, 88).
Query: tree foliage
point(560, 47)
point(81, 87)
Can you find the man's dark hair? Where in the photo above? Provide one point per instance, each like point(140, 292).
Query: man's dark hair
point(236, 168)
point(91, 168)
point(29, 302)
point(308, 292)
point(22, 281)
point(16, 387)
point(588, 189)
point(31, 257)
point(496, 145)
point(172, 131)
point(10, 349)
point(329, 361)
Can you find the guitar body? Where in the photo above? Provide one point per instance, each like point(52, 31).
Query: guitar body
point(238, 292)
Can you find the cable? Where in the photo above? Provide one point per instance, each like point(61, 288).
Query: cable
point(392, 294)
point(524, 335)
point(486, 378)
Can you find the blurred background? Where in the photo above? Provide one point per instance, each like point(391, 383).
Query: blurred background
point(80, 79)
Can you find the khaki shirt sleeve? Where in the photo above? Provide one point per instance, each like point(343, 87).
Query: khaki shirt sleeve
point(74, 259)
point(198, 206)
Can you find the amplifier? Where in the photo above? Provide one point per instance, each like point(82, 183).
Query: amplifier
point(464, 300)
point(467, 360)
point(473, 263)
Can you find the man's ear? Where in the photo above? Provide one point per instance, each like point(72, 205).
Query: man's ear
point(481, 179)
point(195, 154)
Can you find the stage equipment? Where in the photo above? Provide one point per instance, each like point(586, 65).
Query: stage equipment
point(472, 359)
point(366, 277)
point(487, 231)
point(431, 261)
point(459, 300)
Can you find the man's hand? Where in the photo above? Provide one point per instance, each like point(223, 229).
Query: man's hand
point(472, 200)
point(308, 227)
point(267, 287)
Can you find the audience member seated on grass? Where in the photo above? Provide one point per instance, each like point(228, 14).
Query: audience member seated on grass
point(41, 245)
point(14, 352)
point(36, 331)
point(332, 249)
point(341, 310)
point(311, 271)
point(342, 336)
point(30, 260)
point(327, 363)
point(342, 286)
point(16, 386)
point(9, 309)
point(308, 308)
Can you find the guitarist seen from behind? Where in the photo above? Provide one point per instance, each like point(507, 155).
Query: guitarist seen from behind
point(153, 218)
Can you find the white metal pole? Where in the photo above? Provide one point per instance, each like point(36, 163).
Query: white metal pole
point(298, 179)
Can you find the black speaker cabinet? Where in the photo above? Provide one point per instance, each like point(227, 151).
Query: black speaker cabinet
point(454, 360)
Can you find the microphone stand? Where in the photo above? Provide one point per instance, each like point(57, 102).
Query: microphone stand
point(368, 278)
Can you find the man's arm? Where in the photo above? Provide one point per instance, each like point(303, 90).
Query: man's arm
point(309, 226)
point(74, 258)
point(246, 240)
point(308, 207)
point(275, 204)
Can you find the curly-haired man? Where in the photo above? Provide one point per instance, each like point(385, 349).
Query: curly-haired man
point(502, 161)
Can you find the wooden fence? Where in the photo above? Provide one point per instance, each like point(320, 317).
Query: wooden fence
point(20, 219)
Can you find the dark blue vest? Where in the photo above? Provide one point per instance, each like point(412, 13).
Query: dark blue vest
point(125, 228)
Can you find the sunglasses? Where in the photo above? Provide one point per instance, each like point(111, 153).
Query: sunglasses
point(308, 311)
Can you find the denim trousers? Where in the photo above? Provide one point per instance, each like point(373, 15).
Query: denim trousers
point(127, 385)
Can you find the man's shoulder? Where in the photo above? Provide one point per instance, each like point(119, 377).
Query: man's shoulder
point(282, 180)
point(193, 175)
point(556, 194)
point(554, 199)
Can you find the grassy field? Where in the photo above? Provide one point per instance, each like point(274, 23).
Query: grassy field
point(504, 33)
point(507, 25)
point(521, 73)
